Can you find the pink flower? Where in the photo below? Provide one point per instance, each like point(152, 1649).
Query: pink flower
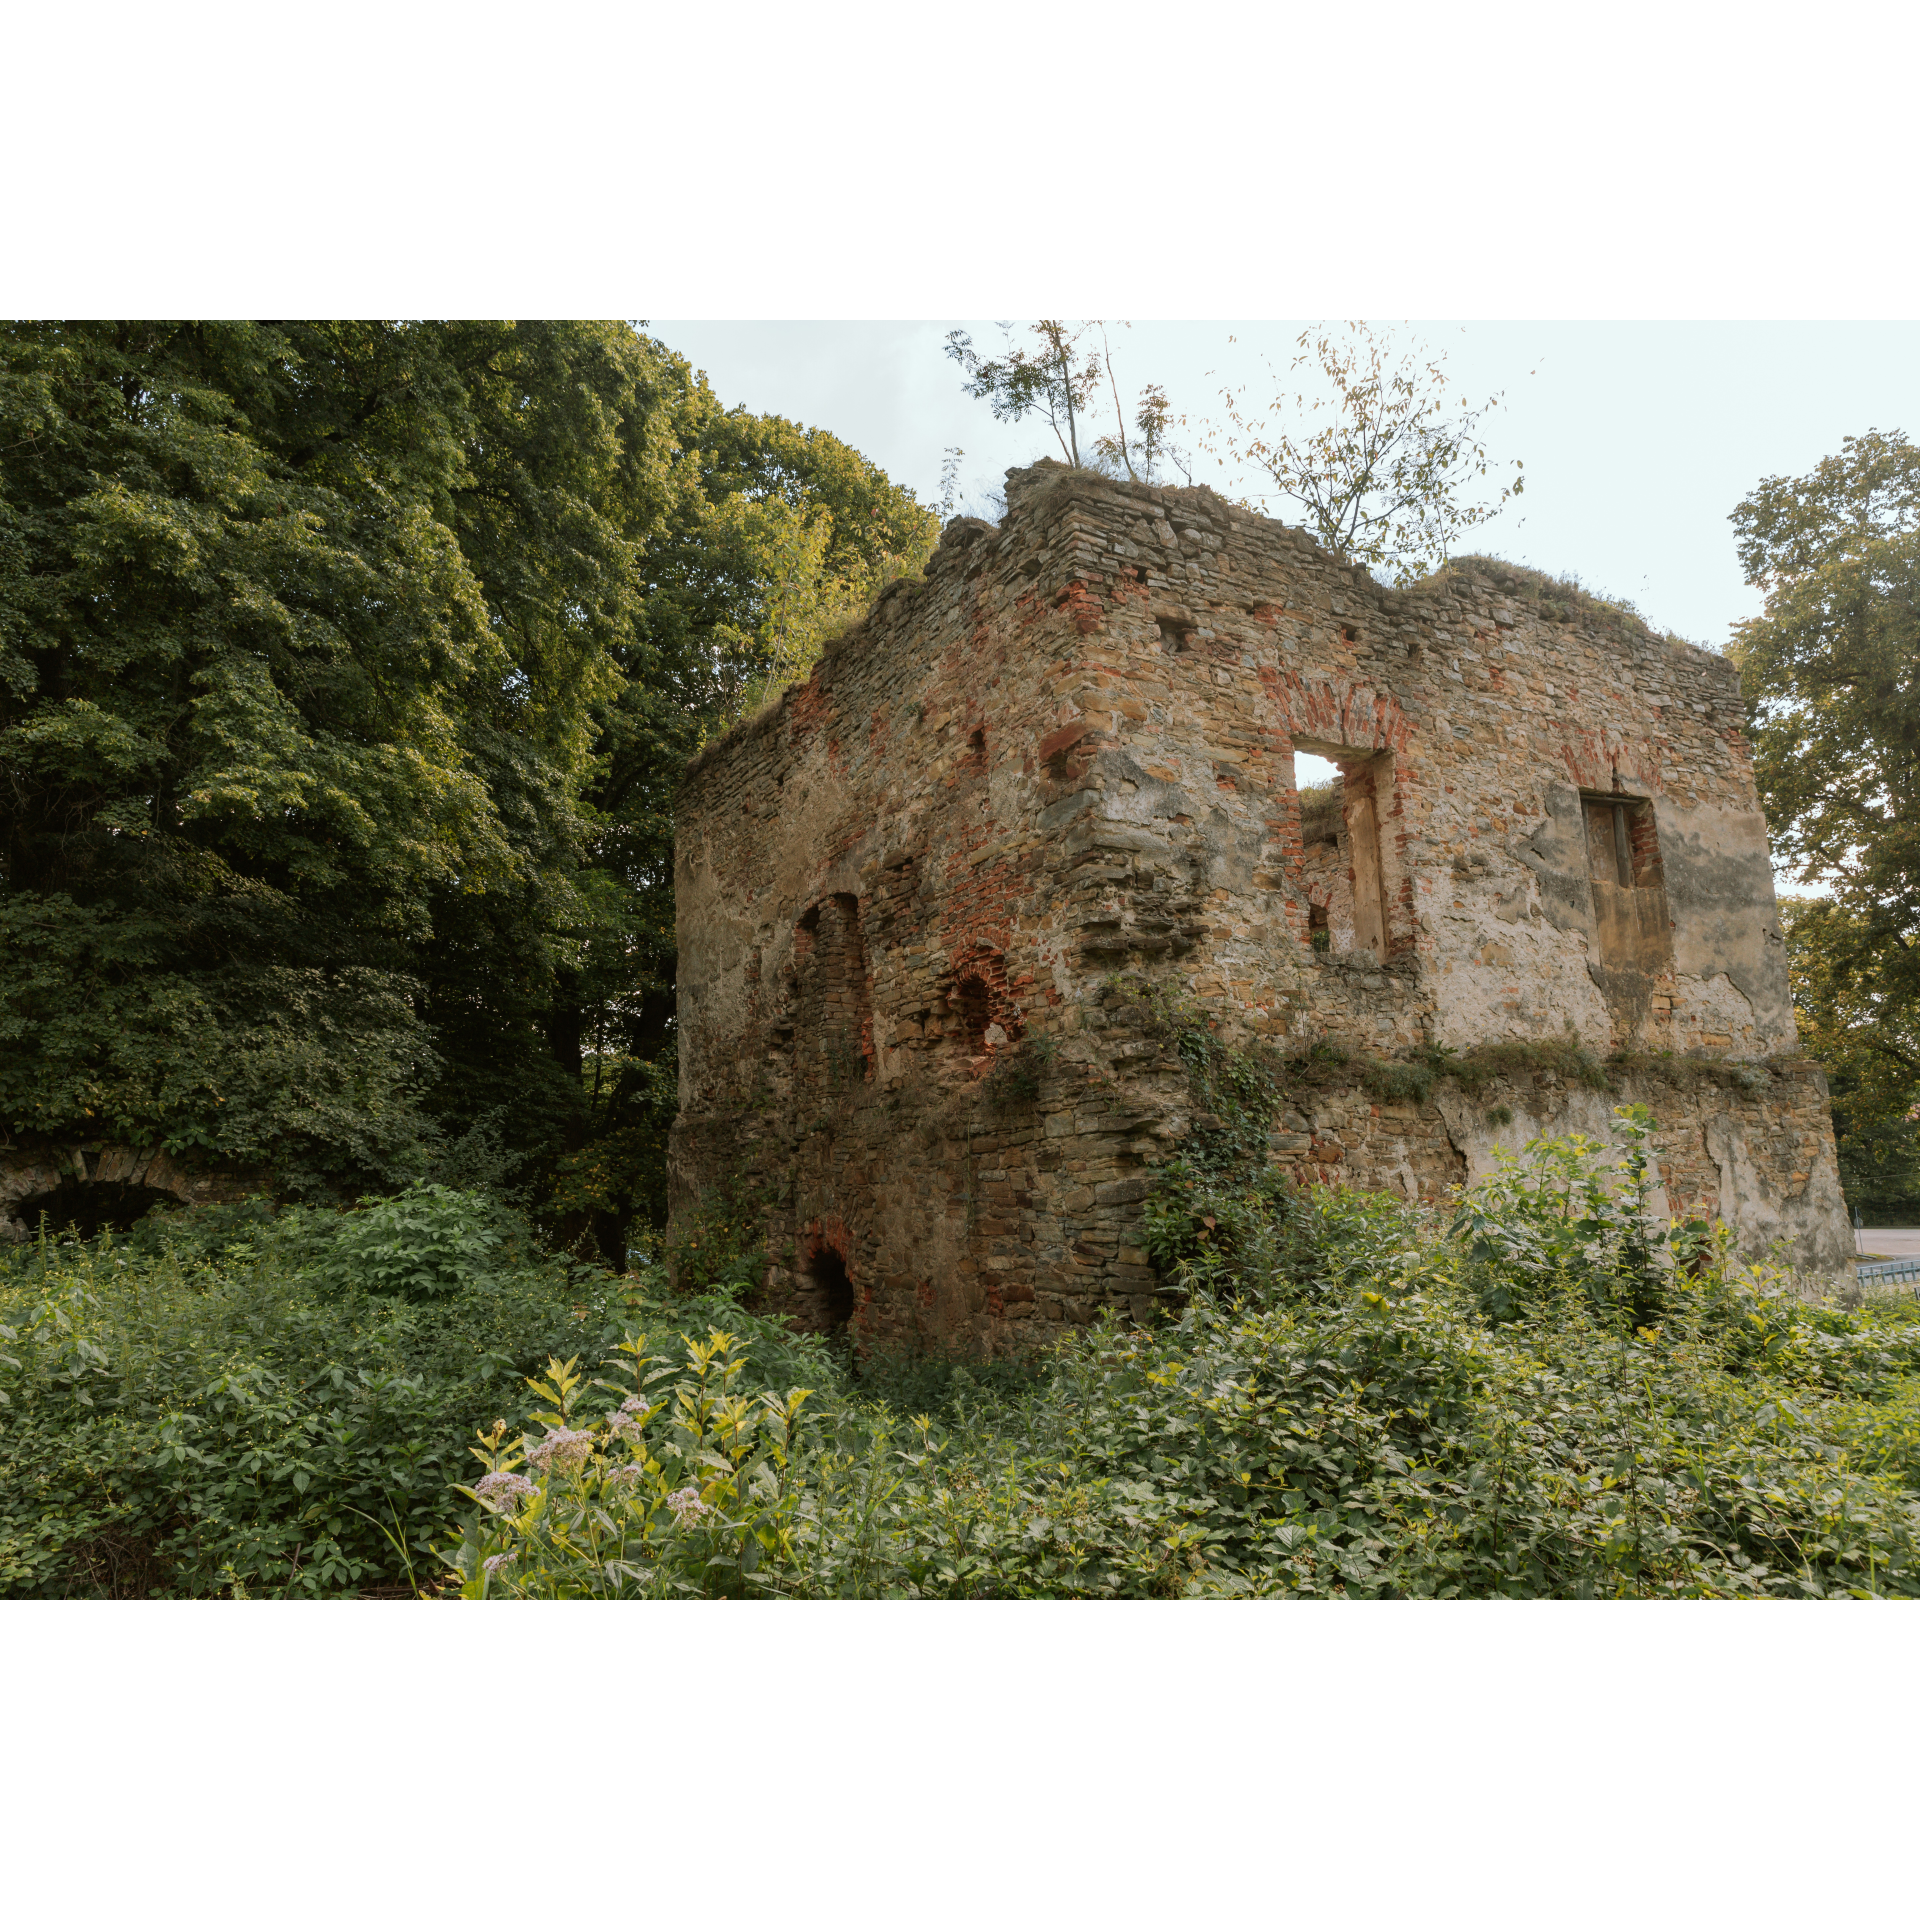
point(561, 1449)
point(505, 1490)
point(687, 1504)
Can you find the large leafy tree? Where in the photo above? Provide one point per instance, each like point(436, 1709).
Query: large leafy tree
point(1832, 670)
point(346, 674)
point(245, 695)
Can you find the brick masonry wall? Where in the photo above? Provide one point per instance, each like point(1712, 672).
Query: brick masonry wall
point(1067, 755)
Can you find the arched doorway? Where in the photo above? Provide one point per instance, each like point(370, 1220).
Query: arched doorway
point(87, 1207)
point(832, 1292)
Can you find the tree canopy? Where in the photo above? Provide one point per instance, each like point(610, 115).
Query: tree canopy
point(1375, 454)
point(346, 674)
point(1832, 669)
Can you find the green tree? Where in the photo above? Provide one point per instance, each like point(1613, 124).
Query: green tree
point(768, 536)
point(1056, 379)
point(1831, 668)
point(1374, 451)
point(1870, 1049)
point(347, 672)
point(238, 638)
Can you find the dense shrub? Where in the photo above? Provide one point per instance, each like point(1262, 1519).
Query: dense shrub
point(1547, 1394)
point(232, 1398)
point(1540, 1401)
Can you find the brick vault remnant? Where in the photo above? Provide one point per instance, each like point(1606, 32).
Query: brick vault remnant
point(908, 891)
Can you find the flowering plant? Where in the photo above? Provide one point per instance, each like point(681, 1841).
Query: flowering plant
point(657, 1498)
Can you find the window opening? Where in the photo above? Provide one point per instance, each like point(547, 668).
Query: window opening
point(972, 1001)
point(1340, 853)
point(833, 1290)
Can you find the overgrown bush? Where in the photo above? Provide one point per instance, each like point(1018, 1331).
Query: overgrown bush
point(1551, 1394)
point(1353, 1400)
point(275, 1402)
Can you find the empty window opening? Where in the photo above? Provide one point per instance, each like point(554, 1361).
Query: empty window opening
point(91, 1206)
point(1176, 635)
point(832, 1291)
point(1319, 786)
point(1340, 853)
point(1630, 913)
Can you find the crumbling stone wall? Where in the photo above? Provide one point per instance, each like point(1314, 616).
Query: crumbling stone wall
point(905, 889)
point(101, 1183)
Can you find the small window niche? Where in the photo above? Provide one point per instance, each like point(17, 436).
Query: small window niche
point(1631, 920)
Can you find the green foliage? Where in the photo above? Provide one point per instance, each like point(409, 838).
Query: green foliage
point(347, 673)
point(1353, 1423)
point(233, 1395)
point(1553, 1398)
point(718, 1247)
point(297, 646)
point(1060, 380)
point(687, 1498)
point(1057, 379)
point(1829, 669)
point(1552, 1219)
point(1866, 1034)
point(424, 1244)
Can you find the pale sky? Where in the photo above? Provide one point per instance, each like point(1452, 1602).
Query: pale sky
point(1639, 438)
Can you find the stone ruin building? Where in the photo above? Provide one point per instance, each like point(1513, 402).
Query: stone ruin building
point(917, 895)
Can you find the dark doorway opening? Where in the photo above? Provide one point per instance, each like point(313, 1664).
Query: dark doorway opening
point(91, 1206)
point(832, 1289)
point(973, 1002)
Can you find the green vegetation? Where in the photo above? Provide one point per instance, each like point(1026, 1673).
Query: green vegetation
point(347, 671)
point(278, 1401)
point(1830, 671)
point(1379, 458)
point(1554, 1396)
point(1544, 1401)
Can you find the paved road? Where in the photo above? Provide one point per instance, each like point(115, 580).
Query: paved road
point(1889, 1243)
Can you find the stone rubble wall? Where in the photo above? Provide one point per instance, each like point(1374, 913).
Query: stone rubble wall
point(27, 1176)
point(1067, 755)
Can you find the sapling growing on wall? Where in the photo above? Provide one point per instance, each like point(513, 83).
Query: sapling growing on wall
point(1365, 437)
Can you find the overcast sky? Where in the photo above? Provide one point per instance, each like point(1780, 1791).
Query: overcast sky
point(1638, 438)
